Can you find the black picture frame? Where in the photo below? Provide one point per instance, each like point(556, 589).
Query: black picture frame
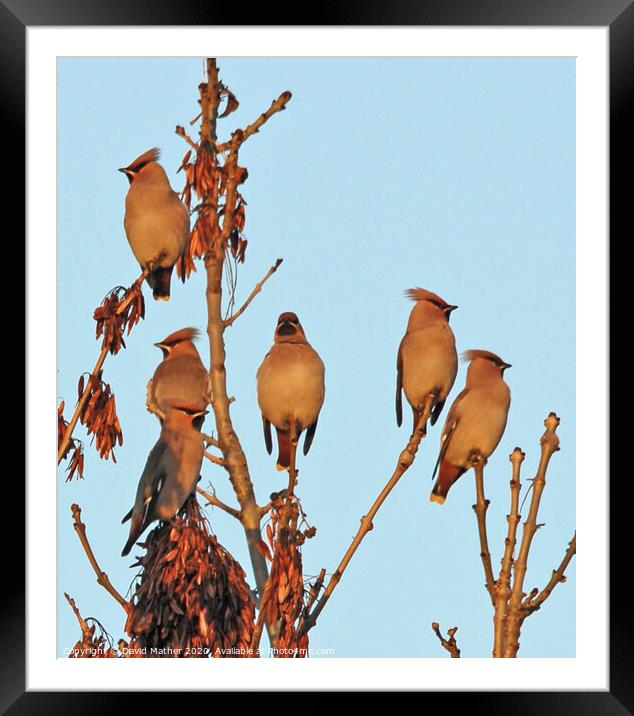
point(618, 15)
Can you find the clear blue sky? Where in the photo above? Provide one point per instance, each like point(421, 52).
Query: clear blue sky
point(457, 175)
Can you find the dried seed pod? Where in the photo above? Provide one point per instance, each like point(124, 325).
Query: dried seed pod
point(192, 599)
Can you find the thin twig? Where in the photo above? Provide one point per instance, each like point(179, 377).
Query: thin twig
point(517, 614)
point(405, 461)
point(276, 106)
point(480, 508)
point(557, 576)
point(213, 500)
point(264, 510)
point(80, 406)
point(315, 588)
point(449, 644)
point(182, 133)
point(214, 458)
point(85, 629)
point(209, 440)
point(253, 294)
point(502, 591)
point(102, 577)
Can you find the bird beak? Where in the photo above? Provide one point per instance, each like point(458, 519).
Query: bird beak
point(449, 309)
point(505, 366)
point(160, 345)
point(125, 170)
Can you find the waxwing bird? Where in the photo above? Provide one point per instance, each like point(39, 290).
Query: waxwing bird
point(181, 376)
point(291, 390)
point(171, 471)
point(156, 221)
point(476, 420)
point(427, 361)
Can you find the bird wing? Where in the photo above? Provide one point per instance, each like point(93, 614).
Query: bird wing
point(266, 425)
point(437, 410)
point(399, 385)
point(150, 484)
point(310, 434)
point(453, 418)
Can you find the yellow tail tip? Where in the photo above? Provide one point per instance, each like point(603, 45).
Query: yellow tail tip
point(280, 468)
point(437, 498)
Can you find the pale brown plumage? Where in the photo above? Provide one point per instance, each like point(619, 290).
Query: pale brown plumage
point(427, 361)
point(181, 376)
point(156, 221)
point(475, 422)
point(171, 471)
point(290, 384)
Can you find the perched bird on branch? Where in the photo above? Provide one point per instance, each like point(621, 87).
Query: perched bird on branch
point(476, 420)
point(156, 221)
point(427, 361)
point(171, 471)
point(181, 376)
point(291, 389)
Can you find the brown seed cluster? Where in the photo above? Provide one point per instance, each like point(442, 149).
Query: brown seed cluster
point(283, 599)
point(192, 599)
point(120, 310)
point(76, 464)
point(99, 415)
point(214, 184)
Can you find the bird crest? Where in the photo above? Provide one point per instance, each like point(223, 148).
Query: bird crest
point(184, 334)
point(422, 294)
point(487, 355)
point(152, 155)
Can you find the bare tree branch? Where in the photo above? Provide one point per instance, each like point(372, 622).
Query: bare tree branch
point(558, 576)
point(85, 629)
point(480, 508)
point(213, 500)
point(228, 442)
point(253, 294)
point(517, 614)
point(81, 403)
point(182, 133)
point(102, 577)
point(502, 591)
point(449, 644)
point(214, 458)
point(405, 461)
point(276, 106)
point(61, 450)
point(313, 593)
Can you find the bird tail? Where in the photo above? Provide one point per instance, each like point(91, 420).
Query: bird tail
point(284, 449)
point(159, 281)
point(128, 545)
point(136, 527)
point(448, 475)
